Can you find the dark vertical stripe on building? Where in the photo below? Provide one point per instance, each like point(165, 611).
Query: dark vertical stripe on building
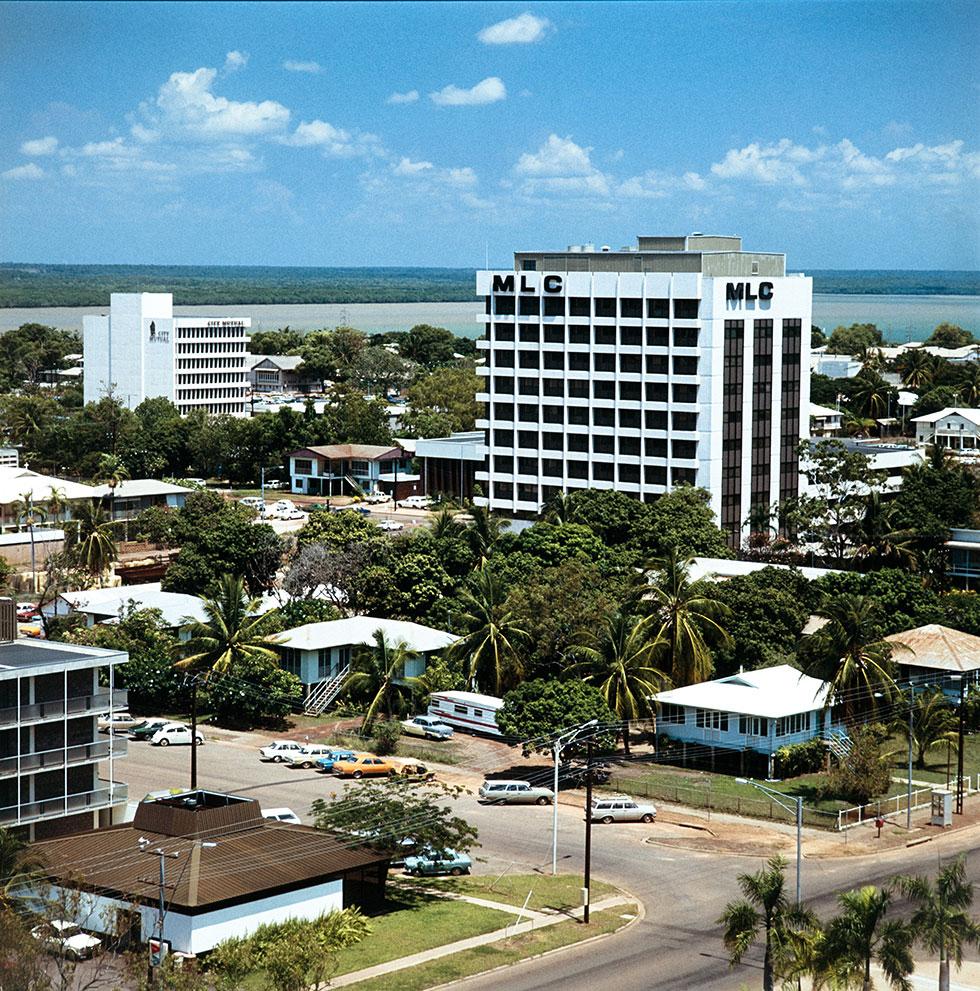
point(789, 437)
point(731, 444)
point(761, 415)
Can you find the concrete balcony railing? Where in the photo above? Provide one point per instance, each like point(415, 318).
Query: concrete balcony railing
point(51, 808)
point(80, 705)
point(45, 760)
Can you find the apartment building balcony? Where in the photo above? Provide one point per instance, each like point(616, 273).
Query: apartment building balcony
point(82, 705)
point(46, 760)
point(64, 805)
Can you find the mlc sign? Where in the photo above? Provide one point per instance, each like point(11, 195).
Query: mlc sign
point(505, 283)
point(742, 291)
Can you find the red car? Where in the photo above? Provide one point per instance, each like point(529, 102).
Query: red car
point(26, 611)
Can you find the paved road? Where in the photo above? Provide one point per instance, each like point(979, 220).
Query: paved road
point(675, 948)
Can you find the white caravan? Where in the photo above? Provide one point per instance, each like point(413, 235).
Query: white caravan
point(467, 711)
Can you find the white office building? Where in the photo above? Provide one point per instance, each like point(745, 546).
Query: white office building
point(683, 360)
point(140, 350)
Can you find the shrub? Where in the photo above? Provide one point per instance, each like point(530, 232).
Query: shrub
point(801, 758)
point(384, 737)
point(864, 774)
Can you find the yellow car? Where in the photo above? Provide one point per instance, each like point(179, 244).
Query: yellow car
point(364, 765)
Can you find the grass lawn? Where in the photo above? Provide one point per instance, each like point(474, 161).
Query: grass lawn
point(505, 951)
point(935, 769)
point(560, 892)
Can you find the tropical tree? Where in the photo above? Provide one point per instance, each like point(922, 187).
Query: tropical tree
point(485, 530)
point(862, 935)
point(933, 723)
point(233, 632)
point(111, 470)
point(871, 394)
point(765, 911)
point(91, 542)
point(917, 368)
point(849, 654)
point(445, 526)
point(970, 385)
point(941, 920)
point(689, 615)
point(29, 515)
point(884, 544)
point(18, 867)
point(491, 649)
point(379, 674)
point(561, 508)
point(57, 503)
point(620, 659)
point(855, 424)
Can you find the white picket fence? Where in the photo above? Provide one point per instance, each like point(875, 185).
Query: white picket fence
point(887, 808)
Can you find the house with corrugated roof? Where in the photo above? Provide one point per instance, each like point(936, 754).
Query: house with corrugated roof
point(227, 870)
point(935, 654)
point(280, 373)
point(342, 469)
point(958, 429)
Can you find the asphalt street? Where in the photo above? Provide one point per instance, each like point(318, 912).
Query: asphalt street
point(677, 945)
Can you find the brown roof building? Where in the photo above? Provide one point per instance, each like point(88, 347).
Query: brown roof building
point(938, 650)
point(336, 469)
point(233, 871)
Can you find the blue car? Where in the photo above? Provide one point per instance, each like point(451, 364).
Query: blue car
point(326, 762)
point(448, 862)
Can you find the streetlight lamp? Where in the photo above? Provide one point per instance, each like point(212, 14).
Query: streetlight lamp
point(560, 742)
point(797, 808)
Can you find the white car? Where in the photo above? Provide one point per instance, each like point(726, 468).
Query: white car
point(281, 815)
point(415, 502)
point(391, 525)
point(66, 939)
point(175, 733)
point(279, 750)
point(621, 808)
point(307, 755)
point(117, 722)
point(430, 727)
point(376, 497)
point(292, 514)
point(253, 502)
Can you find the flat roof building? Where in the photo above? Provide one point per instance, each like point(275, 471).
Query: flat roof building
point(140, 350)
point(680, 361)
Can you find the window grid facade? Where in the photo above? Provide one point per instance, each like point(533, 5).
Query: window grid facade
point(789, 421)
point(731, 442)
point(761, 472)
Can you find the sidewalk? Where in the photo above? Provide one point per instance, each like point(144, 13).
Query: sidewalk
point(538, 921)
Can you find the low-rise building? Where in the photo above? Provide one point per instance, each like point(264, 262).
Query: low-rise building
point(746, 714)
point(21, 488)
point(933, 654)
point(450, 464)
point(9, 457)
point(227, 872)
point(280, 373)
point(132, 496)
point(963, 567)
point(956, 429)
point(51, 695)
point(824, 422)
point(340, 469)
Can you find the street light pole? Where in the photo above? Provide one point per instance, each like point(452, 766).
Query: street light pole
point(908, 800)
point(157, 958)
point(797, 808)
point(588, 833)
point(559, 744)
point(959, 755)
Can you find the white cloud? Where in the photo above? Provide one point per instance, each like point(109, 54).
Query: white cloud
point(521, 30)
point(407, 167)
point(488, 90)
point(556, 157)
point(28, 171)
point(398, 98)
point(462, 178)
point(333, 141)
point(311, 68)
point(186, 105)
point(768, 164)
point(657, 185)
point(235, 61)
point(39, 146)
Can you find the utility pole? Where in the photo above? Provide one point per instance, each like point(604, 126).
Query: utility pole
point(959, 755)
point(157, 958)
point(588, 833)
point(908, 800)
point(559, 743)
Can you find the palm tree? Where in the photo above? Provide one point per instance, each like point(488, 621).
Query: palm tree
point(855, 425)
point(917, 368)
point(871, 395)
point(445, 526)
point(560, 508)
point(848, 653)
point(485, 530)
point(379, 672)
point(112, 470)
point(491, 649)
point(941, 920)
point(861, 935)
point(91, 543)
point(970, 385)
point(883, 543)
point(933, 723)
point(764, 909)
point(28, 514)
point(620, 659)
point(689, 617)
point(57, 503)
point(234, 632)
point(18, 868)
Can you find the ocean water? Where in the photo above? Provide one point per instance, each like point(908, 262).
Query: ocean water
point(901, 318)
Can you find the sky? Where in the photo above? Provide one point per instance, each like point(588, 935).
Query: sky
point(846, 134)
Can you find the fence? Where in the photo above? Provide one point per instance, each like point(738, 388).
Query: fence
point(896, 805)
point(712, 801)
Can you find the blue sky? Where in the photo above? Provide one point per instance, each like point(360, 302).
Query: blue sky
point(846, 134)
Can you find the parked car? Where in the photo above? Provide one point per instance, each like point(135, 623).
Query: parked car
point(26, 611)
point(117, 722)
point(364, 765)
point(391, 525)
point(281, 815)
point(292, 514)
point(253, 502)
point(446, 862)
point(621, 808)
point(278, 750)
point(177, 734)
point(307, 755)
point(514, 793)
point(376, 497)
point(415, 502)
point(428, 726)
point(146, 729)
point(327, 761)
point(412, 769)
point(66, 939)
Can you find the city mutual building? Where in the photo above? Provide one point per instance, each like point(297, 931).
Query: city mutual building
point(140, 350)
point(684, 360)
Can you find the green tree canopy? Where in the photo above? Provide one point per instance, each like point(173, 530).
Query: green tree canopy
point(949, 335)
point(449, 392)
point(428, 346)
point(855, 339)
point(282, 341)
